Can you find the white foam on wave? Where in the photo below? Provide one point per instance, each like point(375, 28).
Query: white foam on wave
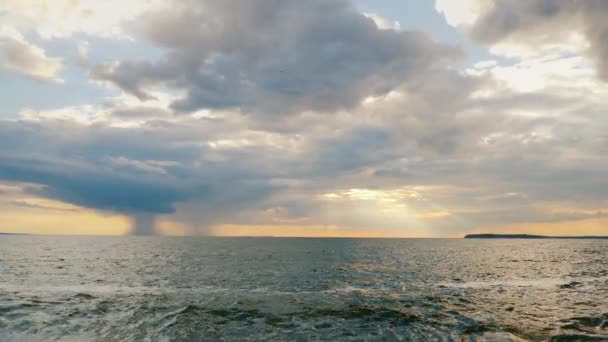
point(27, 337)
point(348, 289)
point(103, 289)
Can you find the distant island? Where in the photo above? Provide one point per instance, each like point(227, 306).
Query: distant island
point(528, 236)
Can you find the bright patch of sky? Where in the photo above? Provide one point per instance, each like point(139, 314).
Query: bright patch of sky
point(422, 16)
point(19, 92)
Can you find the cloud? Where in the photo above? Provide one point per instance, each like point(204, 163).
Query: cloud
point(382, 22)
point(309, 114)
point(274, 56)
point(147, 166)
point(537, 24)
point(441, 166)
point(19, 55)
point(106, 190)
point(65, 18)
point(82, 51)
point(121, 170)
point(457, 158)
point(26, 204)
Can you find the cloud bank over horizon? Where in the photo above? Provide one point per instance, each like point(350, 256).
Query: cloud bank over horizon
point(221, 117)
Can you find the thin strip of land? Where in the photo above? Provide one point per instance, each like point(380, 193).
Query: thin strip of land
point(528, 236)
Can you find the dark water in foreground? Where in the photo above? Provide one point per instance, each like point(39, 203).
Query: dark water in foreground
point(192, 289)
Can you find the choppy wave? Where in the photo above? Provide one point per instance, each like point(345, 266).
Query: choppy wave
point(290, 290)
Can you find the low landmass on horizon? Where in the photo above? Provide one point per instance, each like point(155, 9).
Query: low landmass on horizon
point(528, 236)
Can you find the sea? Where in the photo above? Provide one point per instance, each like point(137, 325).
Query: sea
point(295, 289)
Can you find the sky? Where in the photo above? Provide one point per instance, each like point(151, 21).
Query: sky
point(329, 118)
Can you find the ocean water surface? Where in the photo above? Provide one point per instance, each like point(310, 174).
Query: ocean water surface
point(259, 289)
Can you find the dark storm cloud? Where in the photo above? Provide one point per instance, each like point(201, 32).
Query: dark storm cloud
point(147, 178)
point(274, 56)
point(91, 186)
point(550, 20)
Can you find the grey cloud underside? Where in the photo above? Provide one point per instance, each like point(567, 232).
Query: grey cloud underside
point(126, 171)
point(34, 153)
point(89, 186)
point(275, 56)
point(550, 19)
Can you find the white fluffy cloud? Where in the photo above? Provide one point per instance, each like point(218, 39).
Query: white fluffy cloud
point(523, 28)
point(19, 55)
point(275, 56)
point(64, 18)
point(60, 19)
